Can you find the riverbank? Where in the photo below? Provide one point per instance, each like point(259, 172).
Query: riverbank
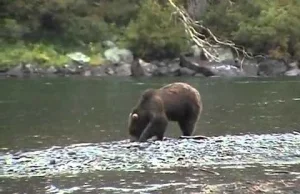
point(121, 62)
point(36, 39)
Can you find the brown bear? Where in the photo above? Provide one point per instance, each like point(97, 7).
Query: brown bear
point(174, 102)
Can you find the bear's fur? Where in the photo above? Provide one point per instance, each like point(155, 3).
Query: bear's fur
point(174, 102)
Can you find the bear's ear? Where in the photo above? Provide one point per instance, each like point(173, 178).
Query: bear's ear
point(134, 116)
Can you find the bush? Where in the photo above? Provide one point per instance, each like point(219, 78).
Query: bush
point(268, 27)
point(11, 54)
point(155, 33)
point(50, 29)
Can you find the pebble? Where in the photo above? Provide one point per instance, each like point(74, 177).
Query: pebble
point(269, 149)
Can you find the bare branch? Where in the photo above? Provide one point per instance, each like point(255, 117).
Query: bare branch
point(207, 43)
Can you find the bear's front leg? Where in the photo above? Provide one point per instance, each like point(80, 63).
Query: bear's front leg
point(156, 127)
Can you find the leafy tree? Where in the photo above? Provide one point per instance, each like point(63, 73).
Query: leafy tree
point(155, 33)
point(268, 27)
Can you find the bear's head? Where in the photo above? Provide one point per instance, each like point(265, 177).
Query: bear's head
point(148, 105)
point(137, 122)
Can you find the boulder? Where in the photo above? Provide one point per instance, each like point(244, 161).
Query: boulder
point(293, 69)
point(109, 70)
point(293, 64)
point(271, 67)
point(224, 70)
point(194, 64)
point(123, 69)
point(174, 67)
point(212, 68)
point(167, 68)
point(136, 69)
point(161, 71)
point(72, 69)
point(142, 68)
point(250, 67)
point(17, 71)
point(184, 71)
point(87, 72)
point(292, 72)
point(51, 70)
point(97, 71)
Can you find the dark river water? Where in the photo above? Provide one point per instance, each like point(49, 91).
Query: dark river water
point(37, 114)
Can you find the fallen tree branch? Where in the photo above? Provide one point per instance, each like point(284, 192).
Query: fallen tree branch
point(209, 42)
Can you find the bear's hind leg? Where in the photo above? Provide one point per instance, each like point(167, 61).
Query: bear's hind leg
point(187, 126)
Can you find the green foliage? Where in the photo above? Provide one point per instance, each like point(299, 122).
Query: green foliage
point(155, 33)
point(33, 53)
point(268, 27)
point(44, 31)
point(147, 27)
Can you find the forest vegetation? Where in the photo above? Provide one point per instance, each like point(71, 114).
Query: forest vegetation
point(45, 31)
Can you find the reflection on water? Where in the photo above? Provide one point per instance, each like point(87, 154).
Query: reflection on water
point(41, 113)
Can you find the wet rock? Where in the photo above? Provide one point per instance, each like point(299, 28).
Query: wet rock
point(186, 72)
point(250, 67)
point(293, 69)
point(101, 70)
point(31, 69)
point(224, 70)
point(293, 65)
point(98, 71)
point(161, 71)
point(174, 67)
point(72, 69)
point(159, 64)
point(149, 68)
point(241, 150)
point(123, 69)
point(51, 70)
point(87, 72)
point(212, 68)
point(167, 68)
point(292, 72)
point(141, 67)
point(231, 62)
point(271, 67)
point(194, 64)
point(17, 71)
point(109, 70)
point(136, 69)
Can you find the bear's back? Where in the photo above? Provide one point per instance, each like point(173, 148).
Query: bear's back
point(178, 98)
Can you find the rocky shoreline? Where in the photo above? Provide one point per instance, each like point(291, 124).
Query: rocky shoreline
point(120, 62)
point(230, 151)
